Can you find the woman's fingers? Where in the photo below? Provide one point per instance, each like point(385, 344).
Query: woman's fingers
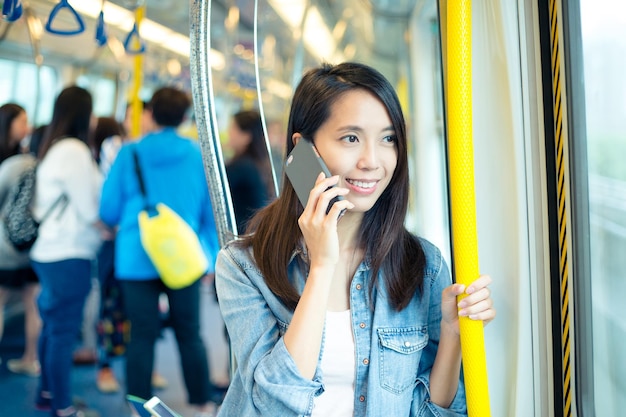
point(322, 194)
point(478, 304)
point(481, 310)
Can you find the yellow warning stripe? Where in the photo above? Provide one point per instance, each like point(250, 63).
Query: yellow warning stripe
point(555, 44)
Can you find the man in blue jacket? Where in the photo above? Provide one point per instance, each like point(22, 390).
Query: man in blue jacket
point(173, 174)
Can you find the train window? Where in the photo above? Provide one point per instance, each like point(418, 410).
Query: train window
point(23, 86)
point(103, 91)
point(603, 26)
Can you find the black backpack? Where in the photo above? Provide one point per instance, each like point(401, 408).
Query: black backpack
point(19, 224)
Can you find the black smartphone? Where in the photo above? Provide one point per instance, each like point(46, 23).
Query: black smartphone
point(302, 166)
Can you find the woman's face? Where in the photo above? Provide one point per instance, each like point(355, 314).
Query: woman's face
point(19, 128)
point(358, 143)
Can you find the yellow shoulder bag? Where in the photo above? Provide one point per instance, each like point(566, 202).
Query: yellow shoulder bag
point(171, 244)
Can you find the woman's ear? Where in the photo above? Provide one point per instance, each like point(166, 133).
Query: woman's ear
point(295, 138)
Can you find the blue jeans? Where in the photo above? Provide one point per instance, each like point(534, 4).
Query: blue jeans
point(64, 288)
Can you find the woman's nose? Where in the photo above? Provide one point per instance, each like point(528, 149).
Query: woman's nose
point(368, 159)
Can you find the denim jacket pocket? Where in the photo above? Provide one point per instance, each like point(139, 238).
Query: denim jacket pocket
point(400, 350)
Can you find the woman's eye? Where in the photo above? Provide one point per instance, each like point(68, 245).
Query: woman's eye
point(390, 139)
point(350, 139)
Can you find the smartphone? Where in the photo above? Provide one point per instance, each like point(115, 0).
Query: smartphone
point(136, 404)
point(302, 166)
point(158, 408)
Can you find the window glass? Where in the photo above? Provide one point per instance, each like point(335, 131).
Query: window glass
point(604, 50)
point(20, 86)
point(103, 92)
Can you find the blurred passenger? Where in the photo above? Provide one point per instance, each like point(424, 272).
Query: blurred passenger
point(34, 143)
point(67, 244)
point(249, 172)
point(16, 273)
point(335, 314)
point(112, 325)
point(173, 173)
point(108, 138)
point(146, 124)
point(276, 135)
point(13, 129)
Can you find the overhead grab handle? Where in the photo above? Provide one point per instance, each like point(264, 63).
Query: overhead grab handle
point(101, 33)
point(64, 4)
point(133, 43)
point(12, 10)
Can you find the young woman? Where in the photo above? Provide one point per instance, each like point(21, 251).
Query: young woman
point(249, 171)
point(348, 315)
point(67, 243)
point(16, 273)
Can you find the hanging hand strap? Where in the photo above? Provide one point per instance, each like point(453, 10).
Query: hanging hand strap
point(133, 43)
point(63, 4)
point(101, 33)
point(12, 10)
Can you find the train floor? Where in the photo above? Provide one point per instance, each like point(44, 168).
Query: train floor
point(17, 392)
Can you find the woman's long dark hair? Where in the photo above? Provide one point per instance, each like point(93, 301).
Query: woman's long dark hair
point(386, 242)
point(70, 118)
point(8, 113)
point(249, 121)
point(105, 128)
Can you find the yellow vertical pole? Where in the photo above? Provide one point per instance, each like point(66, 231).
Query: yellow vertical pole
point(462, 196)
point(135, 102)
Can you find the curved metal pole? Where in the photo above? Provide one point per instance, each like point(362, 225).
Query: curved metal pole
point(260, 97)
point(206, 119)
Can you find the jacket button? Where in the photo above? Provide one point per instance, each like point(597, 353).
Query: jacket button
point(366, 361)
point(358, 286)
point(407, 344)
point(362, 398)
point(362, 325)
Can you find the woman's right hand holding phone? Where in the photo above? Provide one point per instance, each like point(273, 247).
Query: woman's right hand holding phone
point(318, 228)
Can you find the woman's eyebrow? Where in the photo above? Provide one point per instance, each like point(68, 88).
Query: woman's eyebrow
point(355, 128)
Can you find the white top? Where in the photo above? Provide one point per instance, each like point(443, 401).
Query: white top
point(108, 152)
point(69, 232)
point(338, 368)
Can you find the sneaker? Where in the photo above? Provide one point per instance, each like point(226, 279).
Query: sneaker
point(18, 366)
point(106, 381)
point(158, 381)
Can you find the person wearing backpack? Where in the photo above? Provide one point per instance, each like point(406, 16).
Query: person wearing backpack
point(16, 273)
point(172, 173)
point(67, 243)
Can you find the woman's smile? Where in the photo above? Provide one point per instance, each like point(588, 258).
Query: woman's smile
point(361, 186)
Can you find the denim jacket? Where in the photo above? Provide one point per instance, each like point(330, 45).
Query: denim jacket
point(395, 350)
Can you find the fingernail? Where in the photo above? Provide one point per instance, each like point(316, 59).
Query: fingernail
point(462, 312)
point(469, 290)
